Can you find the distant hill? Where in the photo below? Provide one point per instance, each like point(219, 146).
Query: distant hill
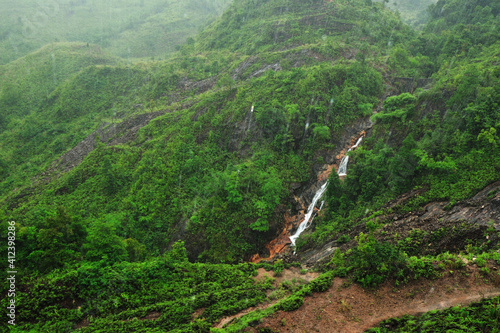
point(128, 28)
point(261, 26)
point(412, 12)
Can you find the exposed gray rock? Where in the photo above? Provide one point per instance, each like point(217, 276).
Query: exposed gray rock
point(314, 257)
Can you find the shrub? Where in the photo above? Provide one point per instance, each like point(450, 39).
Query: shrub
point(323, 282)
point(278, 267)
point(372, 261)
point(343, 239)
point(291, 303)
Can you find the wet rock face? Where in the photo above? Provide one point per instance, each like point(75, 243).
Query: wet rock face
point(113, 134)
point(305, 192)
point(346, 140)
point(431, 229)
point(409, 84)
point(197, 87)
point(445, 229)
point(495, 202)
point(482, 209)
point(470, 218)
point(315, 256)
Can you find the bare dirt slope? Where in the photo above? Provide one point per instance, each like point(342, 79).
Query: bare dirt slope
point(349, 308)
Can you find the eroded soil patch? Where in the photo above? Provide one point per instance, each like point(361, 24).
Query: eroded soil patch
point(350, 308)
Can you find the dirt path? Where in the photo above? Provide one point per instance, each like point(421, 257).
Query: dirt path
point(350, 308)
point(288, 274)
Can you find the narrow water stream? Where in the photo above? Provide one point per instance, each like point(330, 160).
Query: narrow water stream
point(343, 164)
point(310, 211)
point(342, 171)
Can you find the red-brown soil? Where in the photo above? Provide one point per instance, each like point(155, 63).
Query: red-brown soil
point(281, 243)
point(349, 308)
point(287, 274)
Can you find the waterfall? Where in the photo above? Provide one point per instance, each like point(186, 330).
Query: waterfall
point(310, 210)
point(343, 164)
point(357, 143)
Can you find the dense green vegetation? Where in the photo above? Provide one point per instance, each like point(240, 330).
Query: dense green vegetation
point(443, 138)
point(251, 105)
point(253, 27)
point(185, 165)
point(478, 317)
point(53, 98)
point(119, 297)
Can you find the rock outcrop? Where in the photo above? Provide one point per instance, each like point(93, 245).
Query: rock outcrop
point(444, 228)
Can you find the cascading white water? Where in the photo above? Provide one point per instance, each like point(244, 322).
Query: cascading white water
point(343, 164)
point(357, 143)
point(310, 210)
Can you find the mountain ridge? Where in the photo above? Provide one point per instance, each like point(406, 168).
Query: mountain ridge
point(231, 129)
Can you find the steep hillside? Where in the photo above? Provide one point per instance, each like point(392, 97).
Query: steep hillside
point(236, 147)
point(260, 26)
point(442, 143)
point(138, 190)
point(442, 139)
point(53, 98)
point(28, 80)
point(27, 84)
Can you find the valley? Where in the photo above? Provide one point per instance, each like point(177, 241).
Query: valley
point(252, 166)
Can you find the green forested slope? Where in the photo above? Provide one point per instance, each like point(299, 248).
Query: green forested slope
point(249, 107)
point(53, 98)
point(27, 84)
point(254, 27)
point(211, 170)
point(443, 138)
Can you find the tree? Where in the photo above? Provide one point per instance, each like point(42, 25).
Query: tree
point(270, 193)
point(488, 138)
point(373, 261)
point(321, 132)
point(103, 244)
point(232, 184)
point(403, 166)
point(334, 193)
point(226, 81)
point(110, 181)
point(59, 241)
point(136, 251)
point(177, 254)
